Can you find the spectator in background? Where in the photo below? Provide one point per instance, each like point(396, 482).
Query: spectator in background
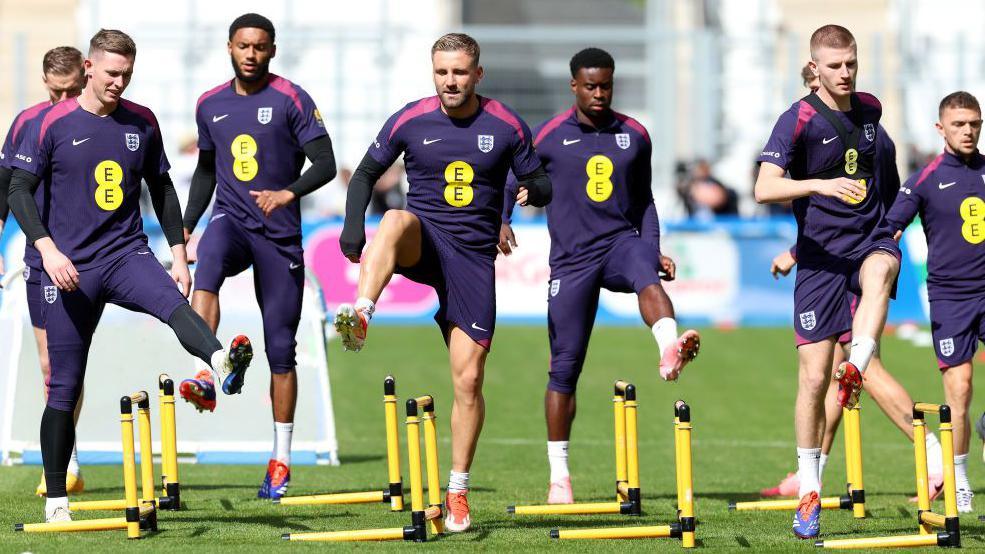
point(388, 194)
point(330, 201)
point(704, 196)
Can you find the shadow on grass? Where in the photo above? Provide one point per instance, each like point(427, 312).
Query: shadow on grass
point(359, 458)
point(274, 522)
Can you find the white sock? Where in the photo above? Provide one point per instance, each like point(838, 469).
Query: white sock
point(808, 460)
point(282, 442)
point(458, 482)
point(367, 306)
point(935, 462)
point(823, 461)
point(557, 455)
point(51, 503)
point(861, 352)
point(665, 331)
point(961, 472)
point(73, 462)
point(218, 366)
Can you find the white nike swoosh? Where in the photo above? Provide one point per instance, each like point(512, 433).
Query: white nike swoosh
point(217, 118)
point(827, 140)
point(143, 253)
point(295, 265)
point(432, 141)
point(217, 216)
point(943, 186)
point(477, 328)
point(567, 142)
point(78, 142)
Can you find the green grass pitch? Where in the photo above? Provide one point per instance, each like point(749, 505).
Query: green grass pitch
point(741, 390)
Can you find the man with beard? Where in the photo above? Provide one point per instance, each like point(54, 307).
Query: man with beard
point(254, 133)
point(458, 148)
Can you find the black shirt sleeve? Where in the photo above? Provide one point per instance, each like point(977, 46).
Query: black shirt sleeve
point(322, 169)
point(22, 187)
point(538, 185)
point(202, 188)
point(353, 237)
point(165, 201)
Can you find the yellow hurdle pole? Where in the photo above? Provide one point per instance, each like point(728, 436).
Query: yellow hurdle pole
point(396, 486)
point(393, 534)
point(619, 415)
point(434, 511)
point(103, 524)
point(684, 475)
point(146, 451)
point(130, 466)
point(336, 498)
point(414, 467)
point(647, 532)
point(98, 505)
point(677, 459)
point(858, 485)
point(920, 465)
point(880, 542)
point(827, 503)
point(947, 452)
point(848, 428)
point(568, 509)
point(632, 453)
point(171, 499)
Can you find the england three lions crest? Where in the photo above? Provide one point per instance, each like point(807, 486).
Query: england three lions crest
point(555, 286)
point(870, 131)
point(264, 115)
point(50, 294)
point(947, 347)
point(133, 141)
point(486, 143)
point(808, 321)
point(622, 140)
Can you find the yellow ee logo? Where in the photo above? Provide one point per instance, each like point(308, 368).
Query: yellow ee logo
point(973, 214)
point(109, 181)
point(458, 191)
point(861, 183)
point(244, 150)
point(599, 169)
point(851, 161)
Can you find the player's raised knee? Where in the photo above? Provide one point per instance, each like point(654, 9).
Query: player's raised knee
point(881, 268)
point(397, 221)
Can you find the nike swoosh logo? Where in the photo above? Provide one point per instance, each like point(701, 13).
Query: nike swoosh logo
point(78, 142)
point(218, 118)
point(143, 253)
point(567, 142)
point(477, 328)
point(295, 265)
point(217, 216)
point(943, 186)
point(827, 140)
point(432, 141)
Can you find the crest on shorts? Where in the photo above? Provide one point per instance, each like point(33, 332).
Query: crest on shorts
point(50, 294)
point(870, 131)
point(264, 115)
point(27, 272)
point(555, 287)
point(622, 140)
point(947, 346)
point(808, 321)
point(133, 141)
point(486, 143)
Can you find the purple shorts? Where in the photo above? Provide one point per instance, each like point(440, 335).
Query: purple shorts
point(227, 249)
point(824, 294)
point(464, 279)
point(957, 326)
point(135, 281)
point(631, 265)
point(32, 280)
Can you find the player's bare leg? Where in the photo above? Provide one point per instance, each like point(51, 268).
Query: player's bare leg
point(876, 277)
point(74, 483)
point(468, 361)
point(283, 397)
point(814, 375)
point(658, 314)
point(958, 393)
point(397, 242)
point(206, 304)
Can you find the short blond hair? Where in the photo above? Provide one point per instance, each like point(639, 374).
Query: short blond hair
point(63, 60)
point(457, 42)
point(114, 41)
point(831, 36)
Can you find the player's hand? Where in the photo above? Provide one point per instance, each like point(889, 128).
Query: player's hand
point(896, 237)
point(351, 241)
point(270, 200)
point(782, 264)
point(507, 240)
point(521, 196)
point(191, 247)
point(61, 269)
point(181, 275)
point(847, 190)
point(669, 268)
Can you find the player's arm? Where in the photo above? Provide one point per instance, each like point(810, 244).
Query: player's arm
point(534, 188)
point(23, 184)
point(783, 262)
point(773, 187)
point(507, 240)
point(5, 173)
point(201, 190)
point(321, 171)
point(907, 205)
point(164, 198)
point(353, 237)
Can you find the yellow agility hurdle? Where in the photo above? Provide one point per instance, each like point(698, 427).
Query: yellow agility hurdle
point(927, 520)
point(629, 500)
point(422, 517)
point(393, 494)
point(684, 527)
point(854, 497)
point(170, 498)
point(138, 514)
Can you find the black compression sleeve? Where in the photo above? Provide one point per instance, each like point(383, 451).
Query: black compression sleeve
point(193, 333)
point(353, 236)
point(538, 185)
point(322, 169)
point(203, 185)
point(5, 174)
point(57, 439)
point(21, 198)
point(165, 201)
